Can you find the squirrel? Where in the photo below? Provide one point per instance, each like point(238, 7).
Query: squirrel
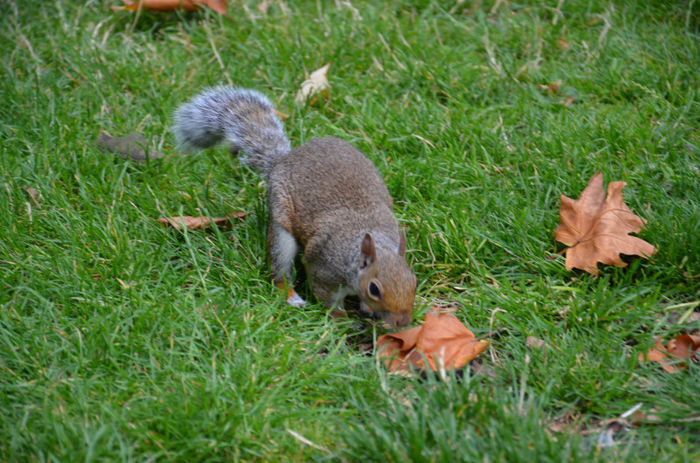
point(325, 196)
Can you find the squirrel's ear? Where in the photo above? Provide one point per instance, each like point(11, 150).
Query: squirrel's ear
point(369, 253)
point(402, 242)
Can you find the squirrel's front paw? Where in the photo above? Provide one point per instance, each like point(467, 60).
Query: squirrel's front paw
point(295, 300)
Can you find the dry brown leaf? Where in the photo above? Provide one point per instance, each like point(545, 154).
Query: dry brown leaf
point(534, 343)
point(682, 347)
point(641, 417)
point(597, 228)
point(442, 340)
point(567, 101)
point(316, 84)
point(197, 223)
point(219, 6)
point(562, 43)
point(552, 88)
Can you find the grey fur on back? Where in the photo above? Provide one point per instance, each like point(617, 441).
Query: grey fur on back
point(244, 118)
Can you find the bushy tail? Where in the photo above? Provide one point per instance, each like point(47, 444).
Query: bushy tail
point(244, 118)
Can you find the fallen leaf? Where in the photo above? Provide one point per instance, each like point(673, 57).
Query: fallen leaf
point(534, 343)
point(443, 341)
point(567, 101)
point(219, 6)
point(562, 43)
point(650, 418)
point(558, 427)
point(197, 223)
point(597, 228)
point(642, 417)
point(316, 84)
point(133, 147)
point(564, 423)
point(552, 88)
point(683, 347)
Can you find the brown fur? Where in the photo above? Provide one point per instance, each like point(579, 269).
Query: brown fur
point(328, 196)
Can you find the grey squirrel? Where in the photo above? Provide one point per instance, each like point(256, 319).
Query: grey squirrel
point(325, 197)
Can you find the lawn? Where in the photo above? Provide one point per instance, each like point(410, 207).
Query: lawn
point(122, 340)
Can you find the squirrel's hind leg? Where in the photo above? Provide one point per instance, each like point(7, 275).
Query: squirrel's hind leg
point(282, 248)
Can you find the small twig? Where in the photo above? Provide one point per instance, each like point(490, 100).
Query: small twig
point(632, 410)
point(306, 441)
point(216, 315)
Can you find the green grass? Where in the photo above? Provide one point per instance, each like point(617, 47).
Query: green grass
point(121, 340)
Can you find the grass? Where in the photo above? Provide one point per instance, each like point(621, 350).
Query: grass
point(121, 340)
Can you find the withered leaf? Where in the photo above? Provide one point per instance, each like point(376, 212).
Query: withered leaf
point(642, 417)
point(442, 341)
point(197, 223)
point(317, 84)
point(535, 343)
point(597, 228)
point(567, 101)
point(563, 43)
point(683, 347)
point(552, 88)
point(219, 6)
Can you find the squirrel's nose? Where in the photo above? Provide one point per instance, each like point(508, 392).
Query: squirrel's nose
point(400, 320)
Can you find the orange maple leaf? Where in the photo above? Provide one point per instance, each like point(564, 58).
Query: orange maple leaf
point(597, 228)
point(683, 347)
point(442, 340)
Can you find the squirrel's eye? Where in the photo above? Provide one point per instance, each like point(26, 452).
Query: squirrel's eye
point(374, 291)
